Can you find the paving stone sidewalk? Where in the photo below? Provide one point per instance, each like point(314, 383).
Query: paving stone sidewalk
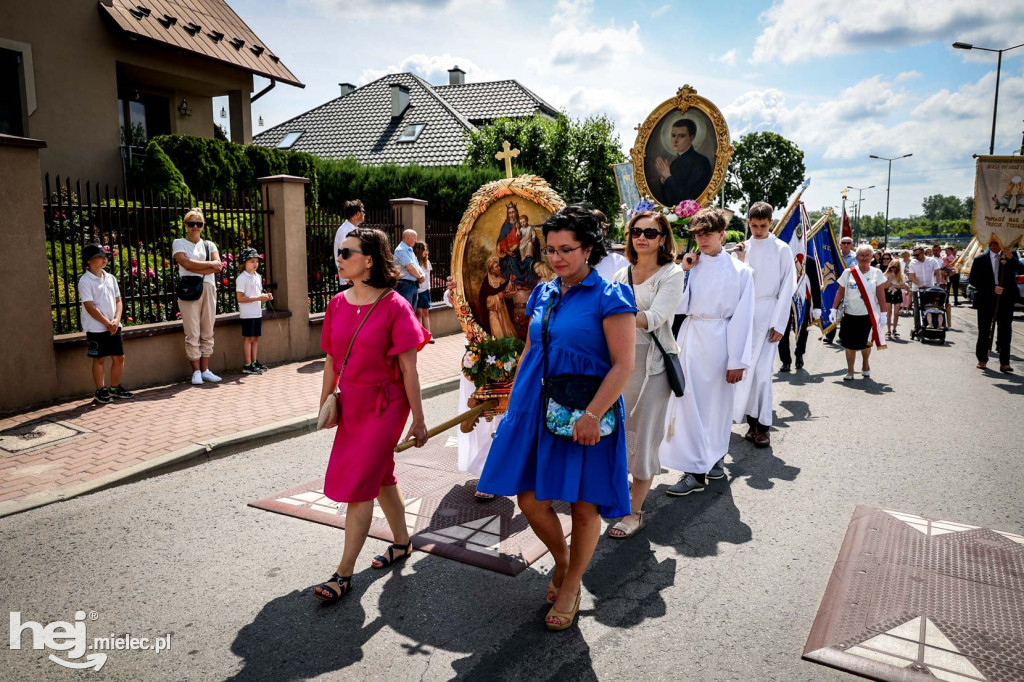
point(67, 449)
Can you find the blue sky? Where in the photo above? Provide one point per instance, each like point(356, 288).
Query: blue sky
point(841, 78)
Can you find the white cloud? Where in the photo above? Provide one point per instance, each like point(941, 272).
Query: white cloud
point(661, 11)
point(799, 30)
point(432, 68)
point(905, 76)
point(361, 10)
point(582, 44)
point(729, 58)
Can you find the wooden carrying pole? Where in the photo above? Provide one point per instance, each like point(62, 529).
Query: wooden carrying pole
point(995, 311)
point(469, 415)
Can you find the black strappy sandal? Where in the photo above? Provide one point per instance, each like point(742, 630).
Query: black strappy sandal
point(386, 561)
point(325, 592)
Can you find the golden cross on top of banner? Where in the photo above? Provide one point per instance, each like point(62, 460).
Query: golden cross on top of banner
point(506, 155)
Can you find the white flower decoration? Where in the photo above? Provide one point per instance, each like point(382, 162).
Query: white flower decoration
point(491, 360)
point(467, 361)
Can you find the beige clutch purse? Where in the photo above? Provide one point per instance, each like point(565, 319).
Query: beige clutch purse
point(328, 417)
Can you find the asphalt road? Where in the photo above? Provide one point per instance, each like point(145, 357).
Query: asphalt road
point(722, 585)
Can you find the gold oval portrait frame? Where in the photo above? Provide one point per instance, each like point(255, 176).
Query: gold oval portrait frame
point(529, 187)
point(686, 98)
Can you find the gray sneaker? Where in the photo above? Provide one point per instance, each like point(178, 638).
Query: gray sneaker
point(717, 471)
point(687, 484)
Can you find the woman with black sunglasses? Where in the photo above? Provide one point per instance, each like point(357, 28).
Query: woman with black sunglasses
point(198, 266)
point(371, 337)
point(657, 284)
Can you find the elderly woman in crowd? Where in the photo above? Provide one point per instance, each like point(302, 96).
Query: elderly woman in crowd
point(198, 264)
point(582, 335)
point(657, 284)
point(862, 290)
point(371, 337)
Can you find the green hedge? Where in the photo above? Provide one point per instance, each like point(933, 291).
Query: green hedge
point(203, 166)
point(212, 166)
point(447, 190)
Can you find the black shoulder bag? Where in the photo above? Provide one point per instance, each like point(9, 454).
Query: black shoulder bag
point(190, 287)
point(673, 368)
point(566, 396)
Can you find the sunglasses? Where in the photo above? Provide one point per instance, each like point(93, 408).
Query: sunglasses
point(195, 223)
point(647, 232)
point(846, 243)
point(346, 253)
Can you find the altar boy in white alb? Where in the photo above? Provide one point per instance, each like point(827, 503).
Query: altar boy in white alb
point(774, 286)
point(714, 341)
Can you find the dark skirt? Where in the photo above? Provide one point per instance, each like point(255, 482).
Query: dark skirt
point(893, 296)
point(854, 331)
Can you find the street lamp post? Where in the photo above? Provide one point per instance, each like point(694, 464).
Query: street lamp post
point(860, 198)
point(999, 67)
point(888, 186)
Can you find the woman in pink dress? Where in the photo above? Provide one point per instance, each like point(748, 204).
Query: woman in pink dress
point(378, 387)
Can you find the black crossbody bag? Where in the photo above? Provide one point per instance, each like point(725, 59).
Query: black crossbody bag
point(566, 396)
point(673, 368)
point(190, 287)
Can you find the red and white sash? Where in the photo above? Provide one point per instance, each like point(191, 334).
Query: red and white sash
point(870, 302)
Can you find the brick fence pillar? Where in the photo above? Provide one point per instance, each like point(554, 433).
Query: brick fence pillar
point(28, 364)
point(413, 213)
point(286, 253)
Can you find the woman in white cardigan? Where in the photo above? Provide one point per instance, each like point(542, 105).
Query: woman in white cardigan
point(658, 289)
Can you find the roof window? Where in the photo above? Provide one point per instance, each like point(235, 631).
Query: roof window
point(289, 140)
point(412, 132)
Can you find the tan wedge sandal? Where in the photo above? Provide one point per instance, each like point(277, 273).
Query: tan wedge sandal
point(567, 617)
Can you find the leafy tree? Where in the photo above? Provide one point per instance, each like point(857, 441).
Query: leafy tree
point(574, 155)
point(160, 175)
point(765, 167)
point(942, 207)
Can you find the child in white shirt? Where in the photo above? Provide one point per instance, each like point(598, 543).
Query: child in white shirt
point(249, 293)
point(101, 320)
point(423, 293)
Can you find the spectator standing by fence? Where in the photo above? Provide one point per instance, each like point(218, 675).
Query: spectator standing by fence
point(250, 296)
point(423, 292)
point(354, 214)
point(197, 258)
point(409, 276)
point(101, 320)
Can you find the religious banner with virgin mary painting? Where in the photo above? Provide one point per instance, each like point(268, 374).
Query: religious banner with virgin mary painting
point(497, 258)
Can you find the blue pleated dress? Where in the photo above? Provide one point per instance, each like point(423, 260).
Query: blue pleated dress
point(524, 456)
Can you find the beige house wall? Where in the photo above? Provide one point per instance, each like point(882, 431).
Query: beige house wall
point(76, 58)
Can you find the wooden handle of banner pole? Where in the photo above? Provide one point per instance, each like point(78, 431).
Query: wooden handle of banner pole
point(469, 415)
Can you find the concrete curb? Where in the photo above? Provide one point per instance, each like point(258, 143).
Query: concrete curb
point(293, 426)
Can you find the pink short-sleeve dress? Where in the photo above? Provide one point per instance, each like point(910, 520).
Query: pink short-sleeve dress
point(374, 407)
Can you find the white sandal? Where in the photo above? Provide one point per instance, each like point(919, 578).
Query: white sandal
point(627, 530)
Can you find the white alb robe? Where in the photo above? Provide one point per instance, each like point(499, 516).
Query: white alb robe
point(774, 286)
point(719, 303)
point(474, 446)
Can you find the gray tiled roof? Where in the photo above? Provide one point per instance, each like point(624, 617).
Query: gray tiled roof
point(481, 102)
point(359, 124)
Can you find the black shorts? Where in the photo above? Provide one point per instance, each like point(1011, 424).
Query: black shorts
point(252, 326)
point(855, 332)
point(104, 344)
point(893, 296)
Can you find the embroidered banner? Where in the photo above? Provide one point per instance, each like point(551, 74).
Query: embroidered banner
point(999, 200)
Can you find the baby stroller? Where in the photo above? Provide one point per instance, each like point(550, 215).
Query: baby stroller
point(930, 315)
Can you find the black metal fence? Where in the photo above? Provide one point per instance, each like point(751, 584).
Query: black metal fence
point(440, 240)
point(138, 228)
point(322, 225)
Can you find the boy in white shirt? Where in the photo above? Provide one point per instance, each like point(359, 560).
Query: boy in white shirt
point(249, 293)
point(101, 320)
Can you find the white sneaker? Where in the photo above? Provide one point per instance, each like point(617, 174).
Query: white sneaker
point(210, 376)
point(197, 377)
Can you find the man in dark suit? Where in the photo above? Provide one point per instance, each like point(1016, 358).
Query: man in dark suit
point(811, 268)
point(994, 278)
point(689, 173)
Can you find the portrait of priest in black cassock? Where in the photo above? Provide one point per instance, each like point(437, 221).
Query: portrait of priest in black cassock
point(688, 174)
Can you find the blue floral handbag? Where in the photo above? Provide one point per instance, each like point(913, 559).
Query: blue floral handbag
point(566, 396)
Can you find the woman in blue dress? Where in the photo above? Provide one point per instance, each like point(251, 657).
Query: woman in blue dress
point(592, 330)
